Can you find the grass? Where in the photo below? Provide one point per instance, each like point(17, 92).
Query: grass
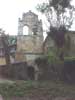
point(28, 88)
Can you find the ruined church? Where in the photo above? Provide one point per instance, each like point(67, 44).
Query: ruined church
point(32, 45)
point(25, 48)
point(29, 46)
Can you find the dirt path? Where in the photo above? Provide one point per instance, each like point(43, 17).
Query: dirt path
point(42, 98)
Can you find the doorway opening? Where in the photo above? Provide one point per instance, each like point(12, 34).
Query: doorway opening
point(31, 72)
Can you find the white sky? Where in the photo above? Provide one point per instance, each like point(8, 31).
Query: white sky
point(11, 10)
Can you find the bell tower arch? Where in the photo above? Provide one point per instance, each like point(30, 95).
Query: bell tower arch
point(30, 20)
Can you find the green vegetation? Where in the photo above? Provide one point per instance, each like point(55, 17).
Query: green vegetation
point(52, 58)
point(69, 58)
point(28, 88)
point(59, 23)
point(12, 40)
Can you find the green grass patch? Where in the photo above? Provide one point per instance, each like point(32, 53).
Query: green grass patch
point(69, 58)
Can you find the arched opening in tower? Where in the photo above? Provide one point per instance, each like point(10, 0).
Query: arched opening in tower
point(25, 30)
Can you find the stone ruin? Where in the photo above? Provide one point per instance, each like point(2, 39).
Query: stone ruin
point(29, 46)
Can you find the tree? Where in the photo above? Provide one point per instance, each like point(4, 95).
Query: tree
point(60, 15)
point(4, 39)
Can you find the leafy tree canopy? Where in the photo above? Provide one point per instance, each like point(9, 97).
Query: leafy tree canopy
point(58, 12)
point(60, 15)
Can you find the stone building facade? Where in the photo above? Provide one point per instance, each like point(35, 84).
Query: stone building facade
point(29, 46)
point(32, 45)
point(69, 47)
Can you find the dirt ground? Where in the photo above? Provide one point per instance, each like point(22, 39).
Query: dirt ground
point(41, 98)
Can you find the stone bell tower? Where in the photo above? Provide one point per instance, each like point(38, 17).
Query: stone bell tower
point(30, 19)
point(31, 45)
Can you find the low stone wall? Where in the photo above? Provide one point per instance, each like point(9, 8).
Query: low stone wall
point(46, 71)
point(64, 71)
point(69, 71)
point(49, 70)
point(15, 71)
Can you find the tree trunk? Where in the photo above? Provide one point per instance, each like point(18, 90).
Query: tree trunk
point(6, 49)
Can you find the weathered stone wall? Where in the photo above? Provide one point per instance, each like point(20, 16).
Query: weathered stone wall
point(71, 50)
point(30, 19)
point(30, 46)
point(32, 57)
point(15, 71)
point(48, 45)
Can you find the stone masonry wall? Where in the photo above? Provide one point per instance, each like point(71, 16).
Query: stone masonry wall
point(29, 44)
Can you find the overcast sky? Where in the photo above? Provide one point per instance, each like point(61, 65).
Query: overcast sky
point(11, 10)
